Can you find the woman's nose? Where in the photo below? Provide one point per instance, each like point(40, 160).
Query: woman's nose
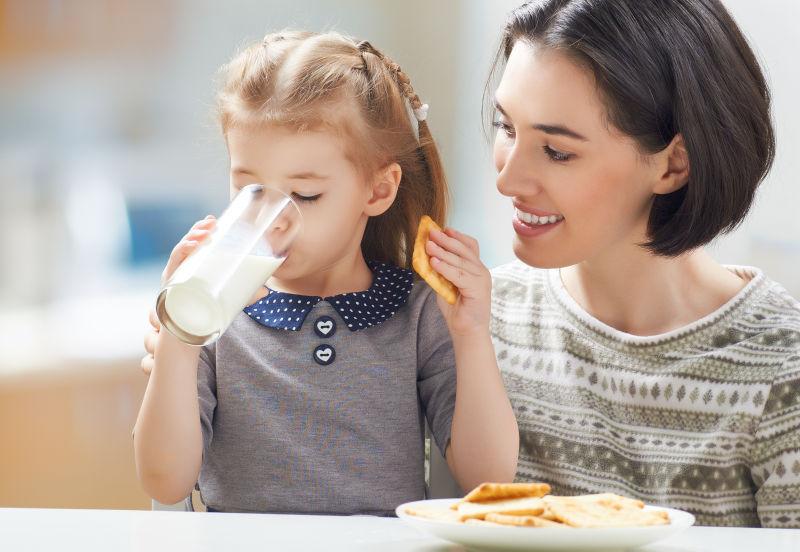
point(516, 176)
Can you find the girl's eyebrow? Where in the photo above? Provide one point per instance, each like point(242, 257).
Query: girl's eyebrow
point(307, 175)
point(555, 130)
point(304, 175)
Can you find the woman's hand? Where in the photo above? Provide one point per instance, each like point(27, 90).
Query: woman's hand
point(456, 256)
point(196, 235)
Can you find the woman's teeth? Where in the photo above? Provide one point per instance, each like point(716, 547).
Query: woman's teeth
point(528, 218)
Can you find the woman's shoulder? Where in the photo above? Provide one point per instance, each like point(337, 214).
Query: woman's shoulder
point(772, 307)
point(518, 273)
point(518, 280)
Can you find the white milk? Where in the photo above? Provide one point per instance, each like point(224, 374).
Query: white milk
point(203, 312)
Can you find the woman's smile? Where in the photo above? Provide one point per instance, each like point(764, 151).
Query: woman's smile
point(530, 222)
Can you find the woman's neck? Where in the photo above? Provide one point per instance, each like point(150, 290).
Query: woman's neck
point(642, 294)
point(347, 274)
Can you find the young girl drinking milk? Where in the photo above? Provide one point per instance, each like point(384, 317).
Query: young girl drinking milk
point(315, 399)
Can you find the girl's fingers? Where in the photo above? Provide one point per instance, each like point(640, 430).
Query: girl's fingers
point(153, 319)
point(147, 364)
point(150, 342)
point(199, 234)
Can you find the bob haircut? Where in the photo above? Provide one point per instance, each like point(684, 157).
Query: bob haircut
point(665, 68)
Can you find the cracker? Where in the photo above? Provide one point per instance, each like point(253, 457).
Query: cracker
point(514, 506)
point(522, 521)
point(588, 514)
point(422, 262)
point(497, 491)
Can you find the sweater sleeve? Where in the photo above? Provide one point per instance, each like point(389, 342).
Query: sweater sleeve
point(775, 464)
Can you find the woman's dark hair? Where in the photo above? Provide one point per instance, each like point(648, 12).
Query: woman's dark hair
point(665, 67)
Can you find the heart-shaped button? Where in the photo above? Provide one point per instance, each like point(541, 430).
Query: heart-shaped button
point(324, 355)
point(325, 326)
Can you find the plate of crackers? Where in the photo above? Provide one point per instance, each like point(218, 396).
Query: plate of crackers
point(525, 516)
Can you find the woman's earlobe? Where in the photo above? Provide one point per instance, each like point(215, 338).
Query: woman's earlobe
point(676, 167)
point(384, 189)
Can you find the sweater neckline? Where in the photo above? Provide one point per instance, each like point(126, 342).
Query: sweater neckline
point(555, 287)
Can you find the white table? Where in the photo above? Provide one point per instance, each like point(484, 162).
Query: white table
point(125, 530)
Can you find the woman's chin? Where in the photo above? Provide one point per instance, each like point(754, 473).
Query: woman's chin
point(540, 257)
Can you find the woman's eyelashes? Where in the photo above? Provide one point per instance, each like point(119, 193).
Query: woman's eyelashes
point(556, 155)
point(507, 129)
point(306, 199)
point(552, 153)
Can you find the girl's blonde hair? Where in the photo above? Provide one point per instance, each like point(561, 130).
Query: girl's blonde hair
point(307, 81)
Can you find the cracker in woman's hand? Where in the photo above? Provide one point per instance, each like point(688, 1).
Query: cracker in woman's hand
point(422, 262)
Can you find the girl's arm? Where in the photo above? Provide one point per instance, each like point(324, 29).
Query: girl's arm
point(484, 442)
point(168, 440)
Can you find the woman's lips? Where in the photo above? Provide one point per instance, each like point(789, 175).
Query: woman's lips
point(528, 224)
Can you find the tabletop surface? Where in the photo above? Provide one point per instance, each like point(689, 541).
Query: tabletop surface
point(119, 530)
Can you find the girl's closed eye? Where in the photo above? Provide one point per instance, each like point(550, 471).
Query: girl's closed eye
point(306, 199)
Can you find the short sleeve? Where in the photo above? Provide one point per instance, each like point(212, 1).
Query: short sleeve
point(776, 451)
point(207, 393)
point(436, 370)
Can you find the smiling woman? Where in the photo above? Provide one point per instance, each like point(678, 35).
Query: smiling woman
point(630, 133)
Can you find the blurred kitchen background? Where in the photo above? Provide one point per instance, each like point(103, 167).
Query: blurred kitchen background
point(109, 151)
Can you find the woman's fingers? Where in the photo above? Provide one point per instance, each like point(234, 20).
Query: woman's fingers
point(469, 241)
point(437, 252)
point(453, 251)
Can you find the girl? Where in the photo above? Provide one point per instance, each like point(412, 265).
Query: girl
point(314, 400)
point(630, 134)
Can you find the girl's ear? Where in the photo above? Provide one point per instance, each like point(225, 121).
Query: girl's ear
point(673, 167)
point(384, 190)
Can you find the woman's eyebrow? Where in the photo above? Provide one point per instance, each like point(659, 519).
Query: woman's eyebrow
point(560, 131)
point(556, 130)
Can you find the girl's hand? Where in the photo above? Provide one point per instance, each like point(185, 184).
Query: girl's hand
point(150, 339)
point(197, 233)
point(456, 256)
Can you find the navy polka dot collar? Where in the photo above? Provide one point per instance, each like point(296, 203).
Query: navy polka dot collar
point(390, 289)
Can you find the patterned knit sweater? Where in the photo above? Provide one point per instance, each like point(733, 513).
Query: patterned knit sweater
point(705, 418)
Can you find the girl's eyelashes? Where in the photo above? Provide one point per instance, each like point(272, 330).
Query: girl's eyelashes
point(305, 199)
point(556, 155)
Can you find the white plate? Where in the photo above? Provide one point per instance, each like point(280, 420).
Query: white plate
point(523, 538)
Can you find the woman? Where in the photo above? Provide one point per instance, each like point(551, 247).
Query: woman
point(630, 134)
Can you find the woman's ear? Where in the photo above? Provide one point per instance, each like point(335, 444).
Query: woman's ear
point(673, 167)
point(384, 190)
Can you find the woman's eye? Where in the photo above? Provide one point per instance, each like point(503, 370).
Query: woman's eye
point(305, 199)
point(507, 129)
point(556, 155)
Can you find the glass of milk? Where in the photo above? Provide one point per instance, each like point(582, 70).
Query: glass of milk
point(212, 286)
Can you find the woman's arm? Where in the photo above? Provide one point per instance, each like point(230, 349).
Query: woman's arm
point(484, 441)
